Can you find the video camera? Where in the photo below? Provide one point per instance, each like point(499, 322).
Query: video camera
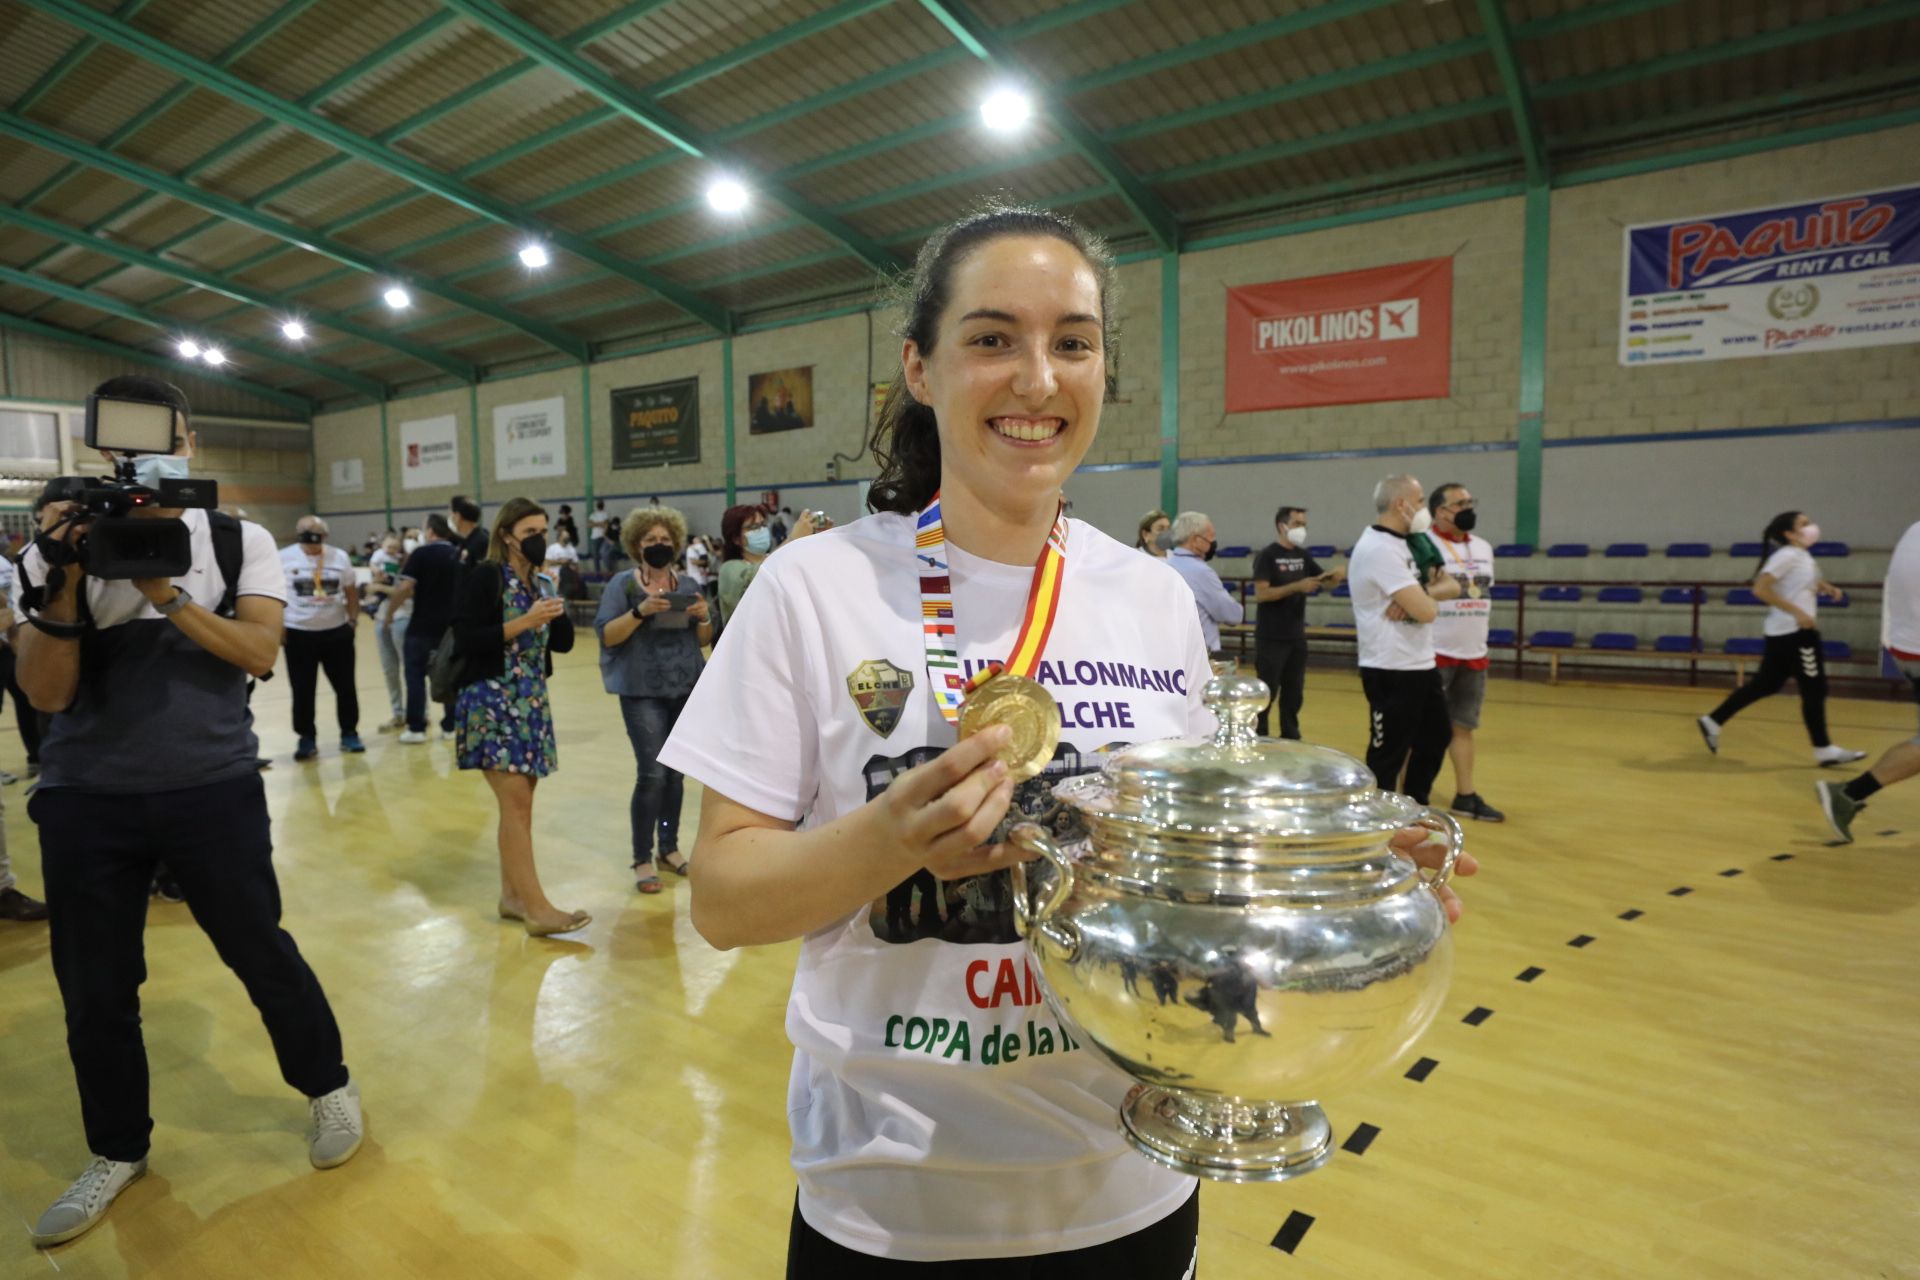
point(131, 417)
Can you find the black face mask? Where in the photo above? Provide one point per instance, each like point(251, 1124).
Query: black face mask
point(657, 556)
point(313, 537)
point(1211, 548)
point(534, 548)
point(1465, 520)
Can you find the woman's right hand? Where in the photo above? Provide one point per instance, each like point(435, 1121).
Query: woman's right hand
point(546, 609)
point(939, 814)
point(1806, 620)
point(654, 604)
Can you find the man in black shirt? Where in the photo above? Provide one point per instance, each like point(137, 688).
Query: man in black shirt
point(471, 536)
point(427, 579)
point(1284, 575)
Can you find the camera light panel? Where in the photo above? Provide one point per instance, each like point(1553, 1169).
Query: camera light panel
point(129, 426)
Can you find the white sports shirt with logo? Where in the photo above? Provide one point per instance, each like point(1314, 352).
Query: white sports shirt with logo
point(1460, 630)
point(1380, 565)
point(938, 1108)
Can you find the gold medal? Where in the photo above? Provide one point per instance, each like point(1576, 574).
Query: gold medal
point(1026, 707)
point(1473, 590)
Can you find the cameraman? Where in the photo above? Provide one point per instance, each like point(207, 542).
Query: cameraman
point(148, 757)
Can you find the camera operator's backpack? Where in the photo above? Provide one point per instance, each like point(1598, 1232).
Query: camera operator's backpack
point(229, 552)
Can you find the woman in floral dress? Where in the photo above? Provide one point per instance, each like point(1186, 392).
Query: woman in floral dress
point(508, 621)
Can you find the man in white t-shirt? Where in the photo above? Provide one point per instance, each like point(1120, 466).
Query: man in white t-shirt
point(1393, 615)
point(1900, 634)
point(323, 605)
point(599, 550)
point(1460, 636)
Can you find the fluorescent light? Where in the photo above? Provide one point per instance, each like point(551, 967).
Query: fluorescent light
point(214, 356)
point(189, 348)
point(293, 331)
point(727, 195)
point(534, 256)
point(1005, 110)
point(397, 298)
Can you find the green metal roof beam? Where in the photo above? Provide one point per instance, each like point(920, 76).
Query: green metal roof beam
point(955, 177)
point(1740, 147)
point(1272, 29)
point(642, 109)
point(987, 45)
point(213, 284)
point(60, 144)
point(1847, 91)
point(1454, 167)
point(119, 351)
point(69, 60)
point(1513, 79)
point(170, 326)
point(401, 165)
point(826, 19)
point(1339, 137)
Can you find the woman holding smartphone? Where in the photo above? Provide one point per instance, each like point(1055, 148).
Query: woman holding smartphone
point(651, 634)
point(508, 622)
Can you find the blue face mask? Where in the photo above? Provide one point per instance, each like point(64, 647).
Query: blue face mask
point(152, 468)
point(760, 541)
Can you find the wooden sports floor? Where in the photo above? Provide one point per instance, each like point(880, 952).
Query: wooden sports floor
point(1722, 1087)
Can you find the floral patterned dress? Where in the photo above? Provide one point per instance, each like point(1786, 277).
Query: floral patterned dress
point(506, 724)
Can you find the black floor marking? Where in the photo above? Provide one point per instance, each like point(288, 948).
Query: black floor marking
point(1783, 857)
point(1478, 1016)
point(1894, 832)
point(1634, 914)
point(1529, 973)
point(1292, 1231)
point(1581, 941)
point(1422, 1069)
point(1681, 892)
point(1362, 1139)
point(1730, 872)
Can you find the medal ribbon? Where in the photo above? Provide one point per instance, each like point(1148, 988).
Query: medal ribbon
point(936, 611)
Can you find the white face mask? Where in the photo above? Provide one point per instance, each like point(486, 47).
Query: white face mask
point(410, 546)
point(1421, 522)
point(1808, 533)
point(1297, 536)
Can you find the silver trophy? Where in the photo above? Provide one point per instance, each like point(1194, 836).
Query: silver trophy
point(1237, 936)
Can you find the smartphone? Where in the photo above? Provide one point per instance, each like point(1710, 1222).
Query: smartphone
point(676, 615)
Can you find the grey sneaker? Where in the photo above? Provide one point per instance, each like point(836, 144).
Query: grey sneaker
point(1710, 730)
point(337, 1127)
point(86, 1201)
point(1839, 808)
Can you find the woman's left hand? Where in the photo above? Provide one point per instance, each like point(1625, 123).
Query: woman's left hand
point(1830, 592)
point(1414, 843)
point(698, 610)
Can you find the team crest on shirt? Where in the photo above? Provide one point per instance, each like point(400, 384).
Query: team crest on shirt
point(880, 692)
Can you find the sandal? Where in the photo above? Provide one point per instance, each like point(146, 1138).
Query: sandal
point(667, 860)
point(646, 881)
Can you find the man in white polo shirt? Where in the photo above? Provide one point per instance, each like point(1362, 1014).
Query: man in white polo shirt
point(1900, 633)
point(1393, 613)
point(1460, 636)
point(323, 604)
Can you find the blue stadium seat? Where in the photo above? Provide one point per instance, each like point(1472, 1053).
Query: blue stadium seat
point(1559, 595)
point(1323, 553)
point(1688, 551)
point(1621, 595)
point(1626, 550)
point(1569, 551)
point(1676, 644)
point(1752, 646)
point(1348, 553)
point(1743, 595)
point(1831, 549)
point(1747, 550)
point(1551, 640)
point(1235, 553)
point(1844, 602)
point(1500, 637)
point(1616, 640)
point(1513, 551)
point(1505, 591)
point(1343, 592)
point(1345, 626)
point(1683, 595)
point(1838, 650)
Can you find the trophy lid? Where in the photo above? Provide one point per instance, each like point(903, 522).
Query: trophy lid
point(1240, 785)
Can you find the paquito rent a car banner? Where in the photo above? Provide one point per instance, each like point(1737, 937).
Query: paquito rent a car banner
point(1840, 272)
point(1381, 334)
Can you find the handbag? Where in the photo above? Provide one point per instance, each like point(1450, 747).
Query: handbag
point(444, 671)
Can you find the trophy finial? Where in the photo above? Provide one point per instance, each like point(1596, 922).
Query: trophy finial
point(1236, 701)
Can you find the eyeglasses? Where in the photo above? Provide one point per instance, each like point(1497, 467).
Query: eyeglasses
point(1465, 504)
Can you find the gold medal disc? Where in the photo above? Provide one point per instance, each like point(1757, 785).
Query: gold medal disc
point(1026, 707)
point(1473, 590)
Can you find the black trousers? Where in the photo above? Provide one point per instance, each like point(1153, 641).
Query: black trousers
point(416, 650)
point(1167, 1250)
point(1282, 667)
point(1797, 657)
point(23, 713)
point(97, 855)
point(310, 652)
point(1409, 728)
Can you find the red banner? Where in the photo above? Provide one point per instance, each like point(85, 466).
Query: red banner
point(1351, 338)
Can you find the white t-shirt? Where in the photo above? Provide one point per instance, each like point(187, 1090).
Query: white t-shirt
point(563, 553)
point(1900, 603)
point(1796, 577)
point(6, 594)
point(696, 562)
point(316, 587)
point(384, 561)
point(597, 525)
point(1382, 564)
point(816, 697)
point(1460, 632)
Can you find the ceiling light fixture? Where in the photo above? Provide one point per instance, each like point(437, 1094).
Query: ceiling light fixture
point(727, 195)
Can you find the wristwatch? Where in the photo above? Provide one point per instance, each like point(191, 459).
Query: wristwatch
point(635, 611)
point(180, 601)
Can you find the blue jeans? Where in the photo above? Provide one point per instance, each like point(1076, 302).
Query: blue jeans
point(657, 790)
point(391, 638)
point(420, 644)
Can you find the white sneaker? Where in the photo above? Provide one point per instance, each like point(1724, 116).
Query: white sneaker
point(412, 736)
point(1833, 754)
point(1710, 730)
point(337, 1127)
point(86, 1201)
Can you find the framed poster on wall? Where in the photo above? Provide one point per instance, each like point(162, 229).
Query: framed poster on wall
point(348, 475)
point(656, 425)
point(430, 453)
point(780, 400)
point(530, 440)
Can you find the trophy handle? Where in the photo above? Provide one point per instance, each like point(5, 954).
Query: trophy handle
point(1456, 841)
point(1031, 917)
